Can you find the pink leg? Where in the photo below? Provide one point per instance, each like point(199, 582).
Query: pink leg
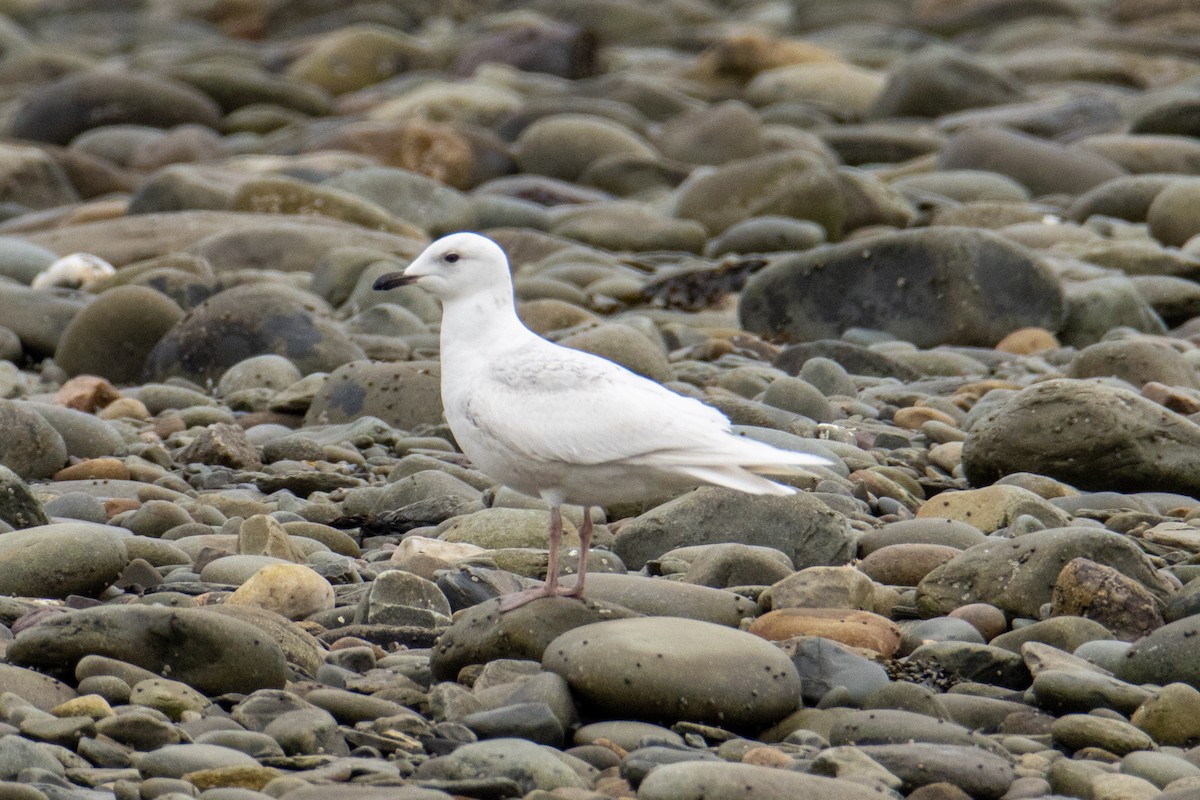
point(585, 542)
point(550, 588)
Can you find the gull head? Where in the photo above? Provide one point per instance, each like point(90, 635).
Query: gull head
point(455, 265)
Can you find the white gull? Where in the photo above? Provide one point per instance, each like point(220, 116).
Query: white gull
point(564, 425)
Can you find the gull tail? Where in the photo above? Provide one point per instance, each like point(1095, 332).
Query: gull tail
point(735, 477)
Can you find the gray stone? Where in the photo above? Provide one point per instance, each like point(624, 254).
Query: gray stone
point(977, 772)
point(1089, 435)
point(530, 766)
point(405, 395)
point(31, 447)
point(946, 285)
point(724, 781)
point(249, 320)
point(647, 668)
point(800, 526)
point(104, 340)
point(211, 653)
point(18, 507)
point(85, 435)
point(61, 559)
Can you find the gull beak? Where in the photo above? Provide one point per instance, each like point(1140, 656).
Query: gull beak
point(391, 280)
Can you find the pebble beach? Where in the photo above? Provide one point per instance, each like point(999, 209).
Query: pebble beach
point(951, 246)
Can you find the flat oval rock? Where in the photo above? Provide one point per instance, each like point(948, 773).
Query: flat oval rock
point(209, 652)
point(663, 668)
point(944, 285)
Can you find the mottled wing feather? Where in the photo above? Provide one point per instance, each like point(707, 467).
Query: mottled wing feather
point(571, 410)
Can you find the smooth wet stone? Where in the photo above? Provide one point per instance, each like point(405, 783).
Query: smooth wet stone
point(656, 597)
point(61, 559)
point(18, 753)
point(59, 111)
point(979, 773)
point(1167, 215)
point(726, 781)
point(644, 668)
point(273, 194)
point(1064, 632)
point(1041, 166)
point(206, 651)
point(529, 766)
point(1137, 361)
point(1076, 731)
point(102, 341)
point(1094, 307)
point(925, 529)
point(32, 447)
point(800, 526)
point(293, 591)
point(905, 564)
point(938, 629)
point(564, 145)
point(401, 598)
point(40, 691)
point(792, 184)
point(1171, 715)
point(859, 629)
point(176, 760)
point(1018, 575)
point(481, 634)
point(936, 81)
point(1074, 691)
point(723, 565)
point(824, 587)
point(993, 507)
point(401, 394)
point(84, 435)
point(950, 291)
point(535, 722)
point(249, 320)
point(1063, 428)
point(410, 196)
point(1164, 656)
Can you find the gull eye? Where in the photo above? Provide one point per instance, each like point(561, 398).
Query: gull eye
point(450, 258)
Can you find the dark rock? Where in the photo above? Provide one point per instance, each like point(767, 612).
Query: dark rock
point(929, 287)
point(1088, 435)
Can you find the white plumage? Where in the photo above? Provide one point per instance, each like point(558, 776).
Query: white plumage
point(560, 424)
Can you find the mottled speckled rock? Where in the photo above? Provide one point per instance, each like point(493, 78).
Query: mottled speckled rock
point(1089, 435)
point(993, 507)
point(945, 285)
point(1168, 655)
point(799, 525)
point(1018, 575)
point(660, 668)
point(251, 320)
point(18, 507)
point(529, 766)
point(404, 395)
point(211, 653)
point(725, 781)
point(481, 634)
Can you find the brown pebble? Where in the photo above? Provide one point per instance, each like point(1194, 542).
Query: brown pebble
point(768, 757)
point(987, 619)
point(905, 564)
point(124, 408)
point(112, 469)
point(938, 791)
point(86, 393)
point(1027, 341)
point(913, 417)
point(850, 627)
point(1176, 399)
point(1099, 592)
point(117, 505)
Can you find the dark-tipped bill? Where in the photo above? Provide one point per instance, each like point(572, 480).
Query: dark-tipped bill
point(393, 279)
